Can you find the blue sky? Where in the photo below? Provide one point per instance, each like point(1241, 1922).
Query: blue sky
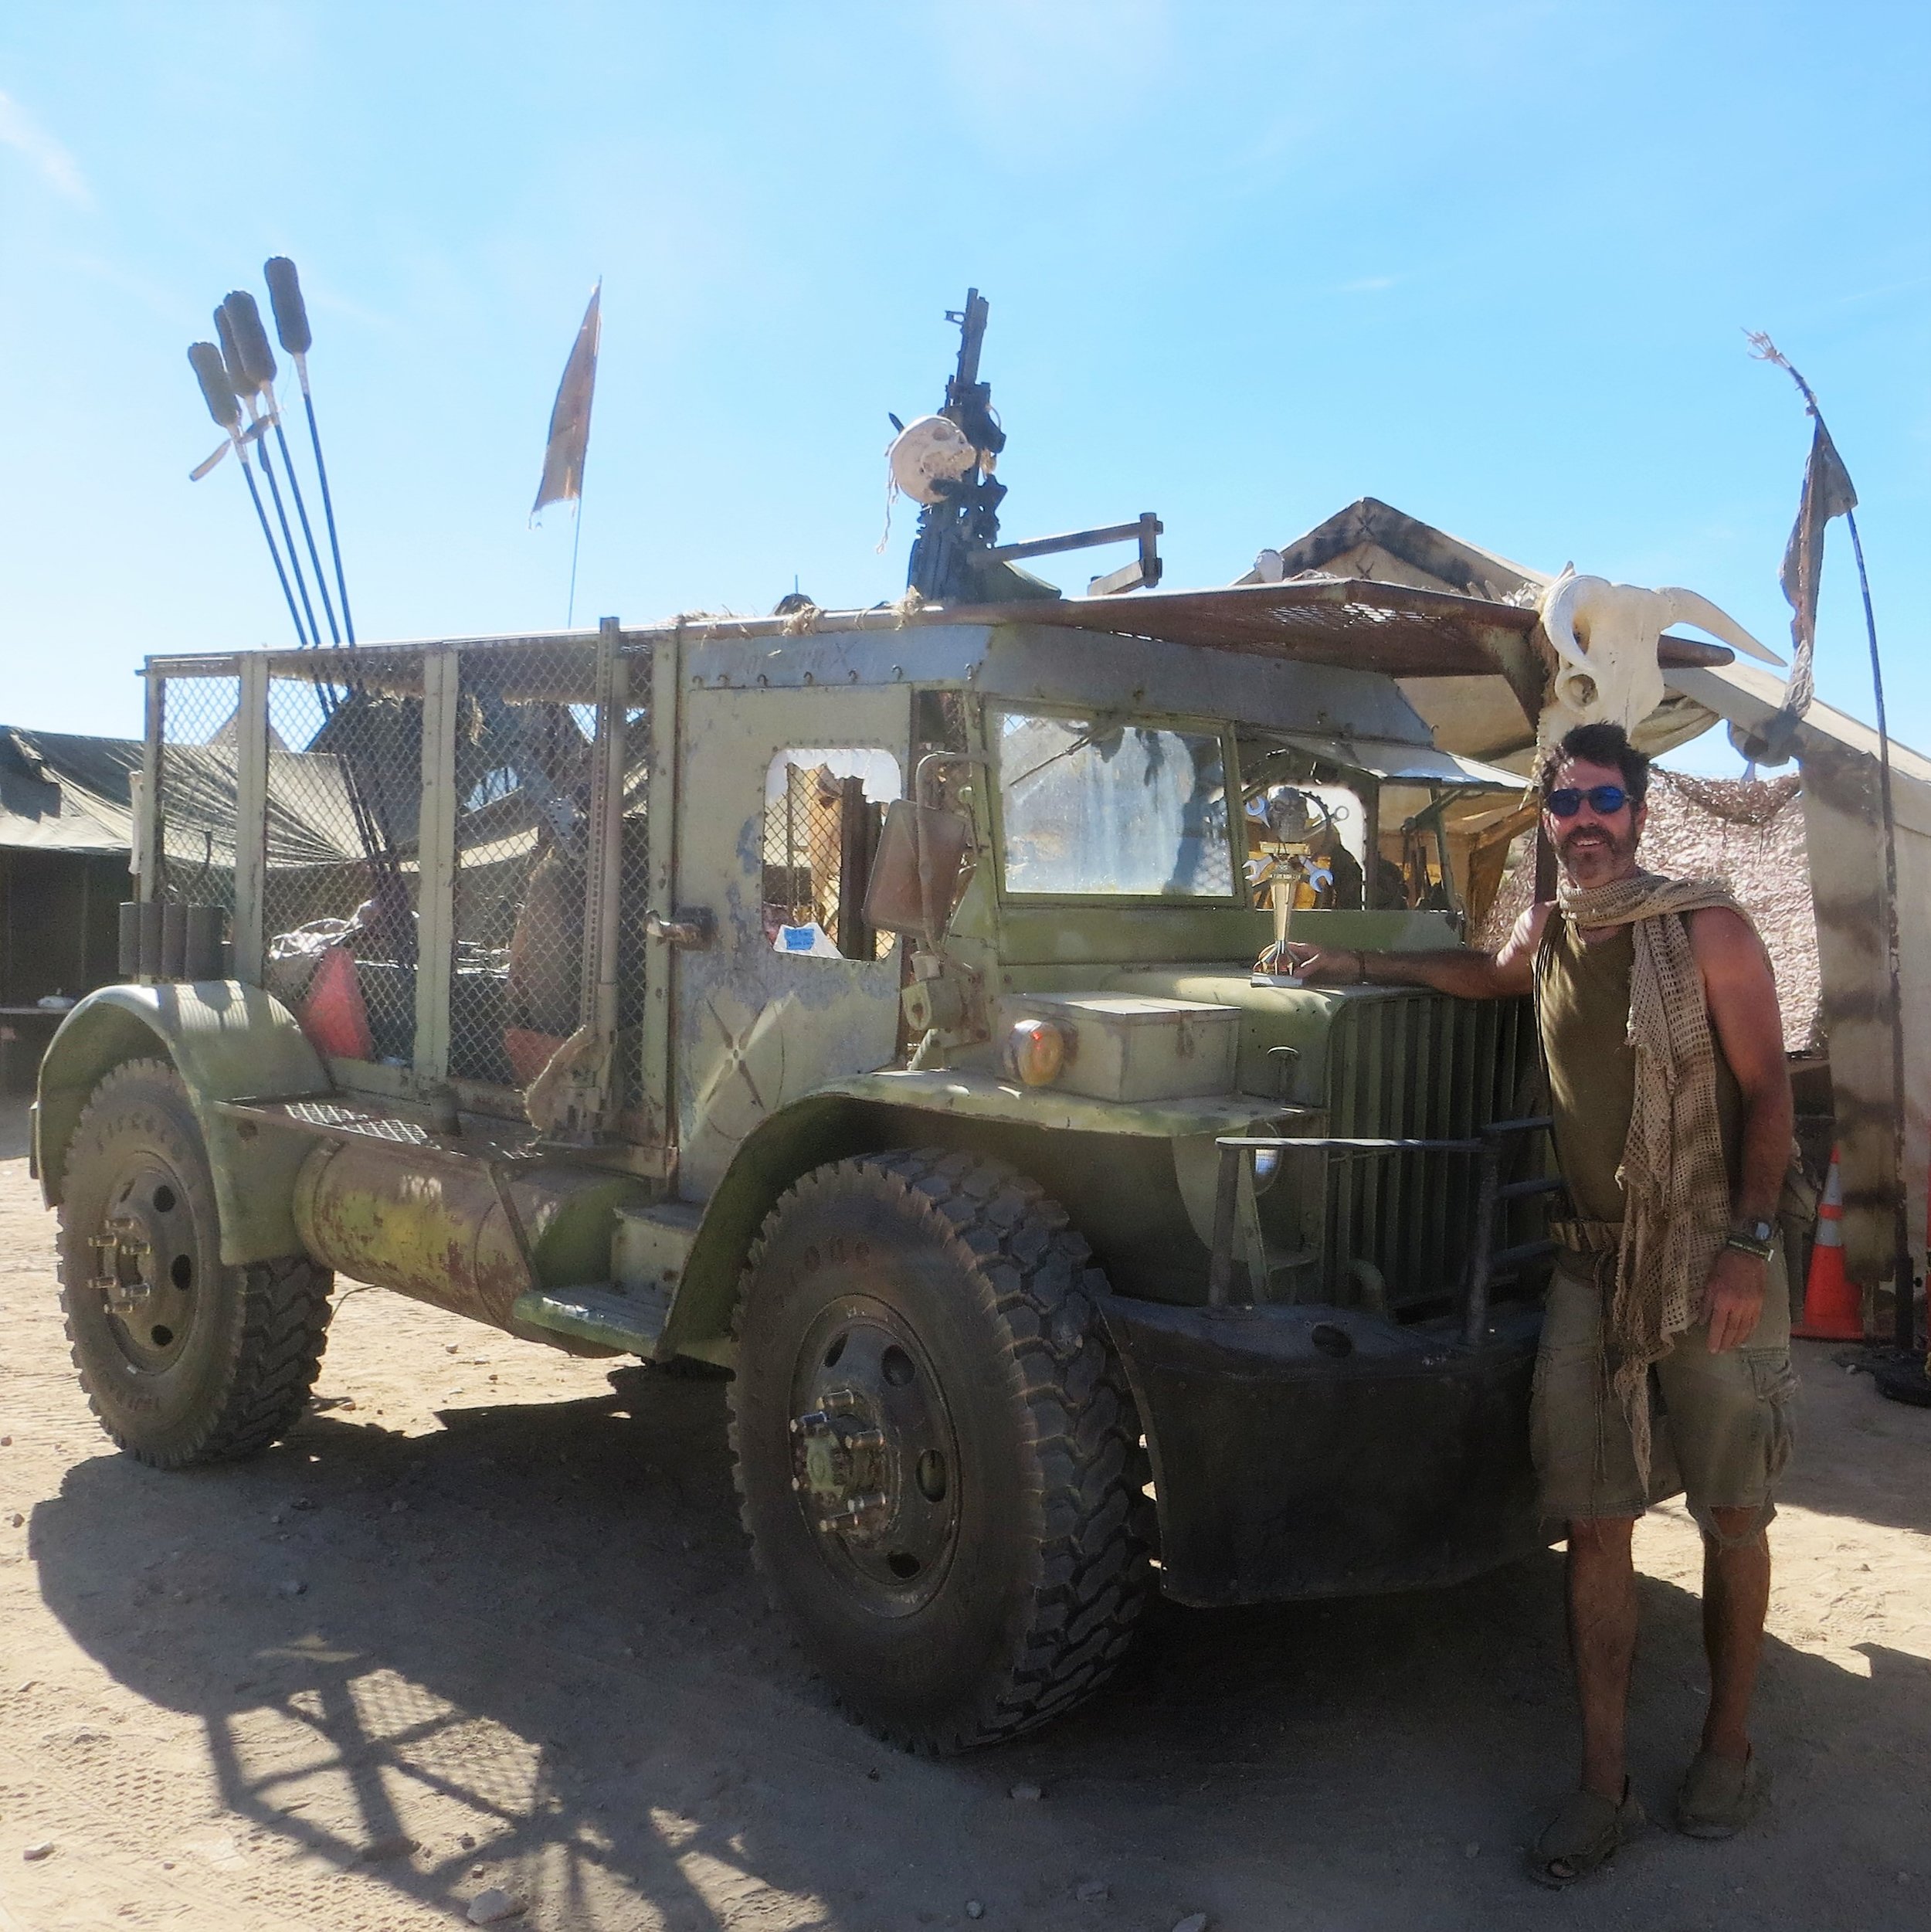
point(1491, 262)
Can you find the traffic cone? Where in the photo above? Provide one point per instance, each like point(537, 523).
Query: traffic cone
point(1833, 1304)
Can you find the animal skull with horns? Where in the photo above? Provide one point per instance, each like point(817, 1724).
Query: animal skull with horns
point(1605, 637)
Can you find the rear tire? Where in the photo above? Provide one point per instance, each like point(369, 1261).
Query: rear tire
point(937, 1452)
point(183, 1360)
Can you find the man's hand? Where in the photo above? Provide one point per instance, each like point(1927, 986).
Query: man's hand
point(1334, 965)
point(1733, 1297)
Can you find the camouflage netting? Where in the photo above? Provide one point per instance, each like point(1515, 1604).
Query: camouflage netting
point(1748, 833)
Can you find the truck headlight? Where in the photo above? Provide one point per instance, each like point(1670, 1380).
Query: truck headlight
point(1036, 1050)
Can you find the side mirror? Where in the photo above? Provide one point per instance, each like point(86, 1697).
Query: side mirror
point(916, 872)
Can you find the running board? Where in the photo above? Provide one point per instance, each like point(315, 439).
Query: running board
point(603, 1313)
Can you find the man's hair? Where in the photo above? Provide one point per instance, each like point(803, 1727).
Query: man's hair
point(1600, 743)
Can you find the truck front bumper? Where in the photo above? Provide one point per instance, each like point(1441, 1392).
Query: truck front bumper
point(1312, 1450)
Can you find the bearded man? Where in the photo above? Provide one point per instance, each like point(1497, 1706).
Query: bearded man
point(1671, 1104)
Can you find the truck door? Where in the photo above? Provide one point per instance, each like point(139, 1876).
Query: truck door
point(778, 792)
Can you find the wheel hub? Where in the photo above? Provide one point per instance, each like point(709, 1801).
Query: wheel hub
point(147, 1258)
point(874, 1456)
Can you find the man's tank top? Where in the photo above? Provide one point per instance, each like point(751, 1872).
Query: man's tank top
point(1582, 1002)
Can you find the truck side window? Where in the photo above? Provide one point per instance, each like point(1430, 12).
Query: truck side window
point(823, 809)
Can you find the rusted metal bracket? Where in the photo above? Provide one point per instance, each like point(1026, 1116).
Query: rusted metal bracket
point(694, 928)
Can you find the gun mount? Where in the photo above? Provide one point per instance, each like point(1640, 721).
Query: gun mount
point(957, 557)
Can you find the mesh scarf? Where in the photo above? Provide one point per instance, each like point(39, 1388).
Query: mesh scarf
point(1675, 1183)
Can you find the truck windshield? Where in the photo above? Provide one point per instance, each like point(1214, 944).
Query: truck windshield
point(1093, 806)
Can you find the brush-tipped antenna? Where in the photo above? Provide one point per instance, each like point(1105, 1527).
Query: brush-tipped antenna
point(252, 384)
point(251, 339)
point(258, 359)
point(291, 324)
point(231, 356)
point(217, 391)
point(291, 312)
point(211, 371)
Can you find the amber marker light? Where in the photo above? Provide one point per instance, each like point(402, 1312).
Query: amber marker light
point(1035, 1051)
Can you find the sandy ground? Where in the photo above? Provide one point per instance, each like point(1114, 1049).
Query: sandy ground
point(485, 1619)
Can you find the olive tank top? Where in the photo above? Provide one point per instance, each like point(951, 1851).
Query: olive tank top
point(1582, 1004)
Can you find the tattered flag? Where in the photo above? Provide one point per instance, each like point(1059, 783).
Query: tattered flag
point(1827, 493)
point(570, 419)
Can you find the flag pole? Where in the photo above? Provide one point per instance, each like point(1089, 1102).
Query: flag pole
point(1903, 1276)
point(576, 543)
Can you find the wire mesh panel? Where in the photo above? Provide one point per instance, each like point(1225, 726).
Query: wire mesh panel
point(197, 788)
point(341, 885)
point(525, 733)
point(822, 814)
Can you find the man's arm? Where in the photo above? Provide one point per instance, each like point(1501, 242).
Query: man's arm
point(1740, 992)
point(1466, 974)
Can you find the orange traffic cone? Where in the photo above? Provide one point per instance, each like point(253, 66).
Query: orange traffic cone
point(1833, 1304)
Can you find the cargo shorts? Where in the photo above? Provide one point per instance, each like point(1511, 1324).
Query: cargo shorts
point(1720, 1426)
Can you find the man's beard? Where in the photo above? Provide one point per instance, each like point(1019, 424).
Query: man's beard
point(1613, 851)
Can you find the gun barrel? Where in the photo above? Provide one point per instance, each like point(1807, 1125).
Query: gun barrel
point(971, 334)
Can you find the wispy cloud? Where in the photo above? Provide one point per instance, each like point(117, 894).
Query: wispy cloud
point(20, 131)
point(1368, 285)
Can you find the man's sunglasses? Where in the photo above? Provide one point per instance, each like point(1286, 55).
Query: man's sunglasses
point(1604, 800)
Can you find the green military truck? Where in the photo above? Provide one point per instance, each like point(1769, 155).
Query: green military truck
point(870, 1004)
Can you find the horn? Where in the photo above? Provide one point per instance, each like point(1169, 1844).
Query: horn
point(1686, 607)
point(1559, 616)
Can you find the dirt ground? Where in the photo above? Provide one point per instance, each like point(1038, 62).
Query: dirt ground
point(485, 1619)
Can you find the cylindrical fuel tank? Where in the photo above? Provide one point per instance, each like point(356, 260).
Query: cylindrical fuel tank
point(437, 1231)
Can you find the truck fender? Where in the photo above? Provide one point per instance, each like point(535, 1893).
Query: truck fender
point(228, 1041)
point(866, 1112)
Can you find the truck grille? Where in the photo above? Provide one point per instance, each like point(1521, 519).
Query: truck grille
point(1416, 1066)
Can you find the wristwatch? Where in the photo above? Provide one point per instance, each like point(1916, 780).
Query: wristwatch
point(1757, 1237)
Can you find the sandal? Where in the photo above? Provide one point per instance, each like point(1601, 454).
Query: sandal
point(1582, 1835)
point(1720, 1795)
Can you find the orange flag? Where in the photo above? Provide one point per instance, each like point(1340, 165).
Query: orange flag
point(570, 419)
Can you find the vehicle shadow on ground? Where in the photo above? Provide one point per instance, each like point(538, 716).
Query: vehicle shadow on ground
point(539, 1627)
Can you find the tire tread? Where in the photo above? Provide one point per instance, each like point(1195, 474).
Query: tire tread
point(1091, 1576)
point(274, 1350)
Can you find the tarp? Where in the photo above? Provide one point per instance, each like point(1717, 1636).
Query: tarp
point(59, 793)
point(1837, 757)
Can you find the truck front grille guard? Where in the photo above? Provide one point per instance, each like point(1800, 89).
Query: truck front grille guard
point(1487, 1149)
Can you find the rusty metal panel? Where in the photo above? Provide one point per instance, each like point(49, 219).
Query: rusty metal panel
point(251, 814)
point(656, 1104)
point(436, 865)
point(604, 871)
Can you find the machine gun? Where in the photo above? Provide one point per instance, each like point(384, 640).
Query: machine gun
point(946, 463)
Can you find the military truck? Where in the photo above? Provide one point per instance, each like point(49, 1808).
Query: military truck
point(865, 1003)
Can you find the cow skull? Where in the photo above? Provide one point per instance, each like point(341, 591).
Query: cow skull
point(1605, 638)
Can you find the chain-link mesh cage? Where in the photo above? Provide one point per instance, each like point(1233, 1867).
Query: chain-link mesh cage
point(821, 827)
point(525, 731)
point(340, 888)
point(196, 791)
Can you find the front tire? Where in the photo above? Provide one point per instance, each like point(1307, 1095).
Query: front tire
point(183, 1360)
point(937, 1455)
